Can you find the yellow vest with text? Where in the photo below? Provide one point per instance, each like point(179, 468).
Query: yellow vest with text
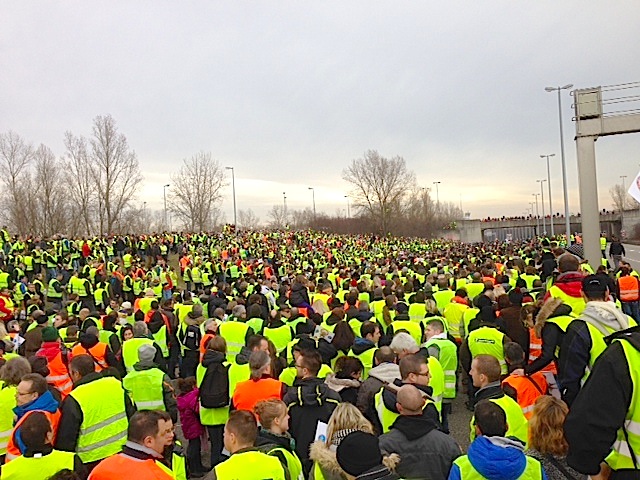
point(488, 341)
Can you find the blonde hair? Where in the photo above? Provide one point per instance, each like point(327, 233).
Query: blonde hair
point(545, 426)
point(268, 410)
point(347, 417)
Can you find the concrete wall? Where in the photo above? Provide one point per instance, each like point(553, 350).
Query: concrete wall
point(472, 231)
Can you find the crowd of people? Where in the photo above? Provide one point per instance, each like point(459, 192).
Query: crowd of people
point(308, 355)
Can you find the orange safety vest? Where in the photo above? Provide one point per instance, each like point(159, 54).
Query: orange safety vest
point(250, 392)
point(529, 388)
point(165, 319)
point(204, 342)
point(98, 352)
point(628, 288)
point(12, 447)
point(535, 350)
point(123, 466)
point(59, 376)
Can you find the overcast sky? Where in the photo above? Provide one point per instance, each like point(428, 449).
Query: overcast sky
point(289, 92)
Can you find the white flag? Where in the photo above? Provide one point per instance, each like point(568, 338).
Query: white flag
point(634, 189)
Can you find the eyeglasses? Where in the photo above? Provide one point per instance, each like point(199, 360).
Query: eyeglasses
point(420, 374)
point(21, 394)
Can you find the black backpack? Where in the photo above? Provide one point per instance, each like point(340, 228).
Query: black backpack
point(214, 389)
point(190, 338)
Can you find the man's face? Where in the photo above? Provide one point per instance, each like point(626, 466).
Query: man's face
point(430, 331)
point(301, 372)
point(476, 376)
point(421, 378)
point(163, 439)
point(376, 335)
point(264, 346)
point(24, 393)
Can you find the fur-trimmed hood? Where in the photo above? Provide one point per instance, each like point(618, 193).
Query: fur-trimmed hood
point(328, 463)
point(553, 307)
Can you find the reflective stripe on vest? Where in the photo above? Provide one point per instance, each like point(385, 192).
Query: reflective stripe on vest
point(621, 456)
point(104, 424)
point(628, 288)
point(7, 403)
point(145, 388)
point(234, 333)
point(448, 358)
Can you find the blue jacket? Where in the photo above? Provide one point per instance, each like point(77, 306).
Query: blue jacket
point(495, 458)
point(44, 402)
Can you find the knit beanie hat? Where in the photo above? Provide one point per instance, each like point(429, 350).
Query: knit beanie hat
point(49, 334)
point(146, 354)
point(359, 452)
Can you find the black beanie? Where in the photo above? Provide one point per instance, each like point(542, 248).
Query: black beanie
point(359, 452)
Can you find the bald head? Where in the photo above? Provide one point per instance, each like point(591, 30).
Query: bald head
point(409, 400)
point(568, 263)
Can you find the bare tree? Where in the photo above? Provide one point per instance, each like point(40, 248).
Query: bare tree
point(301, 218)
point(49, 193)
point(115, 172)
point(379, 186)
point(278, 217)
point(195, 190)
point(81, 189)
point(621, 199)
point(248, 220)
point(15, 159)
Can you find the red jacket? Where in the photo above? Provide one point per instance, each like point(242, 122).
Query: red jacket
point(570, 283)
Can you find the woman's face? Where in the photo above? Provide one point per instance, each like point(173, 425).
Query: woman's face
point(128, 335)
point(284, 421)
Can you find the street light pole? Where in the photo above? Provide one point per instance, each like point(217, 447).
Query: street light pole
point(233, 185)
point(549, 185)
point(164, 192)
point(313, 193)
point(537, 214)
point(348, 208)
point(284, 196)
point(437, 193)
point(567, 219)
point(544, 226)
